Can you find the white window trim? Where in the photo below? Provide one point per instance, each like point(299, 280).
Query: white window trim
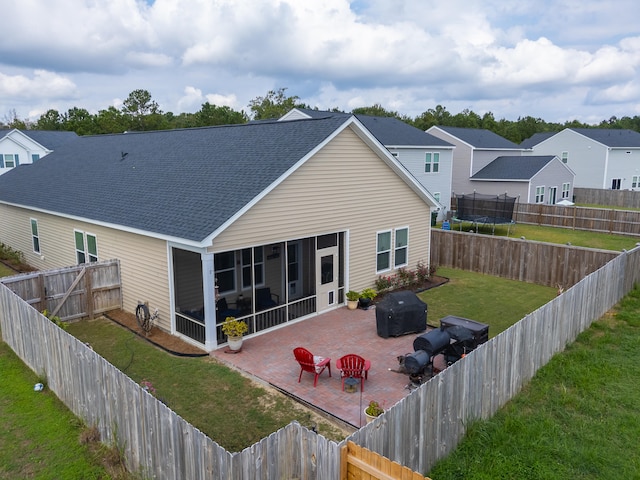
point(35, 236)
point(566, 188)
point(233, 269)
point(395, 248)
point(429, 159)
point(541, 195)
point(253, 264)
point(635, 181)
point(85, 245)
point(564, 157)
point(390, 251)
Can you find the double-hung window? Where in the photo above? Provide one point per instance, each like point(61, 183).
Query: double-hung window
point(35, 157)
point(86, 247)
point(432, 162)
point(539, 194)
point(635, 181)
point(383, 251)
point(9, 160)
point(35, 237)
point(566, 187)
point(565, 157)
point(258, 267)
point(401, 247)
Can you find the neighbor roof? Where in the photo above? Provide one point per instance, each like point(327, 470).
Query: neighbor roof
point(480, 138)
point(390, 131)
point(513, 167)
point(178, 183)
point(50, 139)
point(535, 139)
point(611, 137)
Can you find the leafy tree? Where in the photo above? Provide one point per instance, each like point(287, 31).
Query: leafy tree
point(214, 115)
point(50, 120)
point(144, 112)
point(12, 121)
point(274, 104)
point(434, 116)
point(111, 120)
point(79, 120)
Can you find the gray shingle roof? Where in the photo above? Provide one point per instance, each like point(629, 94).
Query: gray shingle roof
point(480, 138)
point(535, 139)
point(513, 167)
point(611, 137)
point(50, 139)
point(178, 183)
point(389, 131)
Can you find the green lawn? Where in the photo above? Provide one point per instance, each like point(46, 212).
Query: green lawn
point(579, 238)
point(39, 437)
point(578, 418)
point(5, 271)
point(495, 301)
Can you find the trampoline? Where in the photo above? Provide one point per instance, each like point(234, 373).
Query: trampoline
point(479, 208)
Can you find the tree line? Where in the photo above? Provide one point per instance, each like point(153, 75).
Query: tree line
point(139, 112)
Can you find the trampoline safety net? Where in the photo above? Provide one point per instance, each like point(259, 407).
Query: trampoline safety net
point(482, 208)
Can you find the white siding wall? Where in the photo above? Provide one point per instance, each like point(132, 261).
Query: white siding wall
point(513, 189)
point(344, 187)
point(143, 260)
point(24, 147)
point(553, 174)
point(624, 164)
point(586, 157)
point(414, 161)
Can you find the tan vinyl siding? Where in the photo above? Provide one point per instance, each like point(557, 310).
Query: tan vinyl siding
point(344, 187)
point(143, 260)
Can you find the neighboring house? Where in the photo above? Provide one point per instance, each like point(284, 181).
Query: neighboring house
point(600, 158)
point(534, 179)
point(428, 158)
point(28, 146)
point(271, 221)
point(475, 149)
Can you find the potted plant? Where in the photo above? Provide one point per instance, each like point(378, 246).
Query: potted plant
point(366, 296)
point(373, 410)
point(234, 329)
point(352, 299)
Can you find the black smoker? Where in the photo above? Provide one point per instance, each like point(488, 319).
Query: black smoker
point(452, 341)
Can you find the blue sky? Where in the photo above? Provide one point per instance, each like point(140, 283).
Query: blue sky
point(557, 60)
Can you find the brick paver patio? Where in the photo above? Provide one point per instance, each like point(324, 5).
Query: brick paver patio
point(333, 334)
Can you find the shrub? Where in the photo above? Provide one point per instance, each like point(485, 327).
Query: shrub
point(234, 328)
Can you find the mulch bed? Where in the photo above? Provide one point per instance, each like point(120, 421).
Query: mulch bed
point(169, 343)
point(432, 282)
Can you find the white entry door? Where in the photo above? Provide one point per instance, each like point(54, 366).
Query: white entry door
point(326, 277)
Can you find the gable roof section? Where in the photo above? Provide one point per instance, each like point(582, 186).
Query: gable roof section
point(535, 139)
point(50, 140)
point(611, 137)
point(480, 138)
point(514, 168)
point(390, 131)
point(175, 184)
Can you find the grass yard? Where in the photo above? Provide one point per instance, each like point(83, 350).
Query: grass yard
point(578, 238)
point(5, 271)
point(210, 396)
point(578, 418)
point(498, 302)
point(39, 437)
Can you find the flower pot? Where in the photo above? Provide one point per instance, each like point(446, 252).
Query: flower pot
point(352, 304)
point(365, 303)
point(370, 418)
point(235, 343)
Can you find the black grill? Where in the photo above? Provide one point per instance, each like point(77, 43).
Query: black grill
point(400, 313)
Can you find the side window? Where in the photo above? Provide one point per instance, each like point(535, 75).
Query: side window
point(86, 247)
point(635, 181)
point(401, 250)
point(565, 157)
point(539, 194)
point(566, 187)
point(383, 251)
point(432, 162)
point(35, 157)
point(35, 237)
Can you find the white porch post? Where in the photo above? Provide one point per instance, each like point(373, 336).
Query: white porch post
point(209, 288)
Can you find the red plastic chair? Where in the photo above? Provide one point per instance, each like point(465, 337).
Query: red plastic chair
point(310, 363)
point(355, 366)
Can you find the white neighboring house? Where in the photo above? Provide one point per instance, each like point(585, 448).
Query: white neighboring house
point(19, 147)
point(601, 158)
point(428, 158)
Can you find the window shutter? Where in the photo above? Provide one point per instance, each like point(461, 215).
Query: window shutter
point(16, 159)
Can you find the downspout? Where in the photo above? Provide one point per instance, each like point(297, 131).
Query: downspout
point(606, 169)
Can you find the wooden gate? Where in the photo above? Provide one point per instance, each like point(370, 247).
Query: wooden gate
point(361, 463)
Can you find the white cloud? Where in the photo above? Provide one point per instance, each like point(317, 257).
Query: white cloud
point(42, 84)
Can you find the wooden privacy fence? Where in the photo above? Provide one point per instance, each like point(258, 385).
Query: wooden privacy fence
point(613, 198)
point(416, 432)
point(71, 292)
point(621, 222)
point(359, 462)
point(427, 425)
point(516, 259)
